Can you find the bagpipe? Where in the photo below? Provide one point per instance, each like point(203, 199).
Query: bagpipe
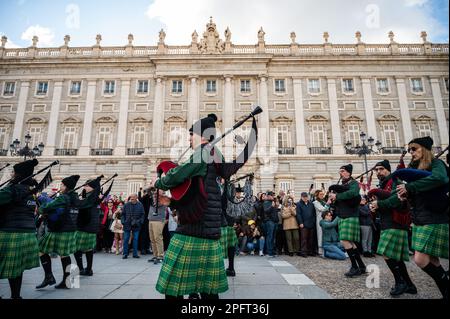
point(190, 198)
point(244, 206)
point(341, 188)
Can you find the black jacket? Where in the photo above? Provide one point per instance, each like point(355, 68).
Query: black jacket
point(306, 214)
point(89, 213)
point(18, 214)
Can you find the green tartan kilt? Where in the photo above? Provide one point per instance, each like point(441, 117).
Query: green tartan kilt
point(85, 241)
point(18, 252)
point(227, 239)
point(62, 244)
point(394, 244)
point(191, 265)
point(349, 229)
point(431, 239)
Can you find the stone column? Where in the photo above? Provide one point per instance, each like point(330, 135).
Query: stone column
point(404, 110)
point(88, 117)
point(158, 116)
point(193, 103)
point(122, 130)
point(264, 123)
point(21, 107)
point(338, 148)
point(50, 147)
point(368, 107)
point(228, 115)
point(440, 114)
point(301, 148)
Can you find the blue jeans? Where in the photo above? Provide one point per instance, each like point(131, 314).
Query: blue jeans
point(251, 246)
point(270, 236)
point(333, 251)
point(135, 242)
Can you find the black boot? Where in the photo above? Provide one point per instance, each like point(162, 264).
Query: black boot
point(411, 288)
point(440, 277)
point(169, 297)
point(49, 279)
point(400, 284)
point(354, 270)
point(193, 296)
point(209, 296)
point(79, 260)
point(230, 270)
point(15, 284)
point(65, 261)
point(88, 270)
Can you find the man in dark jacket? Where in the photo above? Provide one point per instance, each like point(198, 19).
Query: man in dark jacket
point(270, 222)
point(144, 236)
point(306, 218)
point(132, 220)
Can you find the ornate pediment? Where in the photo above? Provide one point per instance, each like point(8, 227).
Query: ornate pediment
point(106, 119)
point(317, 118)
point(423, 118)
point(386, 117)
point(71, 120)
point(211, 42)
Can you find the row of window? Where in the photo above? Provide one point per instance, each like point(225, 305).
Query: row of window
point(142, 87)
point(318, 135)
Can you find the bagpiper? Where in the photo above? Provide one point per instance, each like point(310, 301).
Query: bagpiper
point(19, 250)
point(61, 215)
point(395, 220)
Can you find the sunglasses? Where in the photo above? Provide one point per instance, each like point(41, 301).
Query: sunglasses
point(412, 149)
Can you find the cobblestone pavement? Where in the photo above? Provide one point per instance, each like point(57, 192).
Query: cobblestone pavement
point(329, 275)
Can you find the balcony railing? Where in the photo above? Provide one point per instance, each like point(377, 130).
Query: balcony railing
point(392, 150)
point(66, 152)
point(319, 150)
point(3, 152)
point(285, 150)
point(102, 151)
point(136, 151)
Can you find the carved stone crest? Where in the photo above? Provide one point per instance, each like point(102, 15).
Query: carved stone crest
point(211, 42)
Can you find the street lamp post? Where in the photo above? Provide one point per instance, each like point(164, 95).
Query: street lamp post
point(26, 151)
point(364, 149)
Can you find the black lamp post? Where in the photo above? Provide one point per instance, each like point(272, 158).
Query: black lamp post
point(364, 149)
point(26, 151)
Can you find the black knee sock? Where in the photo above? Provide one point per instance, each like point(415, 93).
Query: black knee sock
point(440, 277)
point(46, 264)
point(169, 297)
point(79, 259)
point(404, 273)
point(358, 258)
point(209, 296)
point(66, 261)
point(15, 284)
point(395, 269)
point(231, 251)
point(351, 255)
point(89, 258)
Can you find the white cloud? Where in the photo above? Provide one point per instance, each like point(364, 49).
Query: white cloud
point(9, 44)
point(411, 3)
point(308, 19)
point(45, 35)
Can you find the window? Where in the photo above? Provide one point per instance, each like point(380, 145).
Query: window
point(382, 86)
point(3, 138)
point(424, 129)
point(110, 87)
point(210, 86)
point(104, 137)
point(142, 87)
point(245, 86)
point(280, 86)
point(314, 86)
point(446, 84)
point(347, 86)
point(139, 137)
point(75, 88)
point(417, 85)
point(389, 135)
point(175, 135)
point(69, 138)
point(42, 88)
point(285, 186)
point(318, 135)
point(36, 136)
point(9, 88)
point(283, 139)
point(134, 187)
point(177, 86)
point(352, 134)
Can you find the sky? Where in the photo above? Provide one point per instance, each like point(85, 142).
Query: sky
point(51, 20)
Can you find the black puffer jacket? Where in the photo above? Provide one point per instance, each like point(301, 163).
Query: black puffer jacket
point(18, 214)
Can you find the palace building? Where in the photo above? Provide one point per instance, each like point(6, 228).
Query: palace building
point(124, 109)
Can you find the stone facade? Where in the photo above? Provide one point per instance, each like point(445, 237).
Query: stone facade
point(102, 110)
